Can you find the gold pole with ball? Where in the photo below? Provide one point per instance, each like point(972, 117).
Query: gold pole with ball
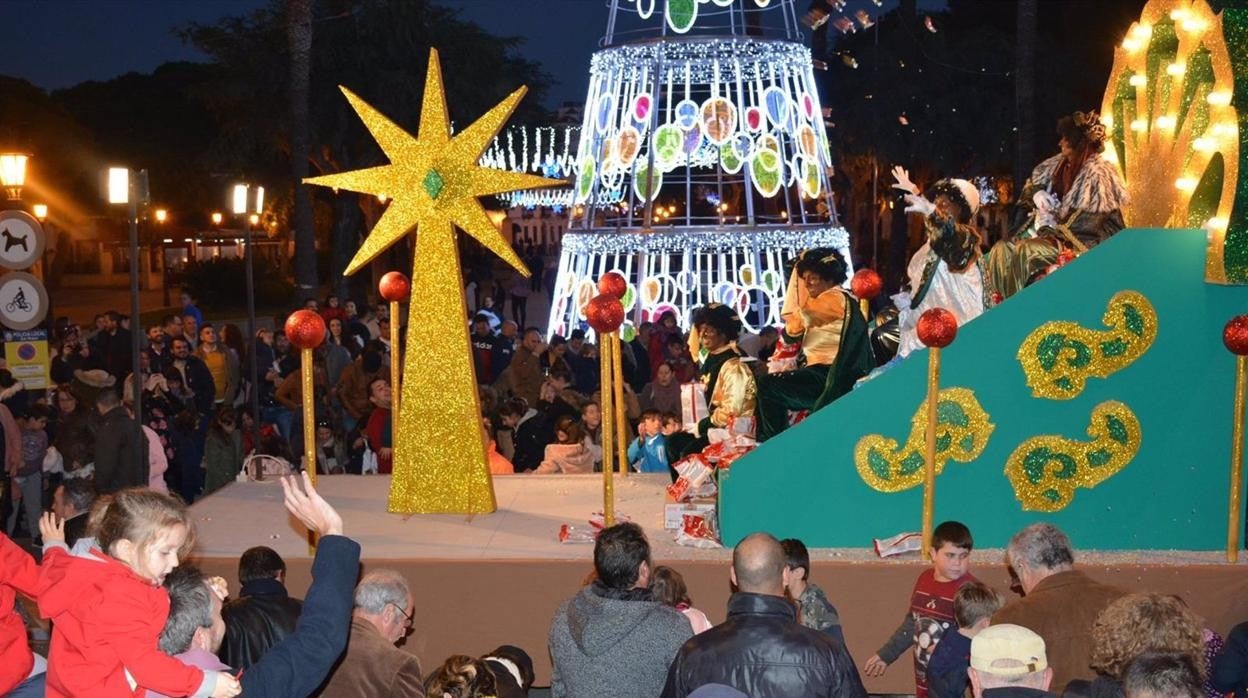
point(306, 331)
point(929, 451)
point(1235, 337)
point(395, 364)
point(937, 329)
point(621, 409)
point(608, 453)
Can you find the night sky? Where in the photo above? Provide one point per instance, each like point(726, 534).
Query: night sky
point(60, 43)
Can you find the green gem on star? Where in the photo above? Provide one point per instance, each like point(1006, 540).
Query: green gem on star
point(433, 184)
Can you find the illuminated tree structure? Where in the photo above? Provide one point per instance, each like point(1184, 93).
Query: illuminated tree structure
point(702, 165)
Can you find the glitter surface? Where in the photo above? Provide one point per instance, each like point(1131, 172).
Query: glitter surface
point(962, 431)
point(1046, 470)
point(439, 458)
point(1177, 138)
point(1059, 357)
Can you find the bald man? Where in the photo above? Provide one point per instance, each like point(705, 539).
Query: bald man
point(761, 649)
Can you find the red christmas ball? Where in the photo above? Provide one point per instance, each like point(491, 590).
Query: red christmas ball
point(394, 287)
point(866, 284)
point(305, 329)
point(605, 313)
point(1235, 335)
point(613, 284)
point(937, 328)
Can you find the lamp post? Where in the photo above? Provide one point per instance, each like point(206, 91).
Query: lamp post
point(162, 216)
point(13, 173)
point(126, 187)
point(246, 223)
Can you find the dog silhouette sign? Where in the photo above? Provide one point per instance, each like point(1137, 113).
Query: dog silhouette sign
point(21, 240)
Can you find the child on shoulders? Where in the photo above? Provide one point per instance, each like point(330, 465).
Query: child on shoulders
point(109, 609)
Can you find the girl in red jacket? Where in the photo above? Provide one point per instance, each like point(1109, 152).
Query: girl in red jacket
point(108, 608)
point(18, 573)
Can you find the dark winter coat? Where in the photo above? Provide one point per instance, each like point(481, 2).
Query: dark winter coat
point(762, 650)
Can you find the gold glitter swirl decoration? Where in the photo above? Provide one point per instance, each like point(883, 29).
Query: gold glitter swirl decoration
point(1174, 129)
point(1059, 357)
point(962, 431)
point(1046, 470)
point(433, 182)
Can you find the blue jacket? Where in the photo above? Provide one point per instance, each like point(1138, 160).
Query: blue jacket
point(296, 666)
point(649, 456)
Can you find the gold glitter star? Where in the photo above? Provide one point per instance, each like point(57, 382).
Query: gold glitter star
point(433, 182)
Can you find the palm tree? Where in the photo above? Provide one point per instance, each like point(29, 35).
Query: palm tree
point(1025, 91)
point(299, 37)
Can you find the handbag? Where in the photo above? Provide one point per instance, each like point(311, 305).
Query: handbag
point(368, 462)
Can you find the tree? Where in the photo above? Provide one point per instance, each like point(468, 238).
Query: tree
point(299, 34)
point(379, 49)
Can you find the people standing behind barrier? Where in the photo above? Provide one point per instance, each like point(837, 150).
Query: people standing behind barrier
point(973, 607)
point(761, 649)
point(930, 615)
point(1060, 602)
point(814, 610)
point(613, 638)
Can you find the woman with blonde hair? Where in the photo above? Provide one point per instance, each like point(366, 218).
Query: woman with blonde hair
point(1131, 626)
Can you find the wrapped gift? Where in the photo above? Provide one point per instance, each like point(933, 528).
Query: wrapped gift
point(784, 358)
point(742, 426)
point(692, 406)
point(699, 530)
point(674, 514)
point(577, 534)
point(693, 479)
point(901, 543)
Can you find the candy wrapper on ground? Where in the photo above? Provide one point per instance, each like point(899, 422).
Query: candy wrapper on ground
point(898, 544)
point(699, 530)
point(598, 519)
point(577, 534)
point(582, 533)
point(694, 479)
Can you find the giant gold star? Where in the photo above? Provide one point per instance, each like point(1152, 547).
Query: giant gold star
point(433, 182)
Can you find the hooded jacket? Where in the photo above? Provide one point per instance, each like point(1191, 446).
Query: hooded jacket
point(106, 621)
point(18, 573)
point(762, 650)
point(617, 647)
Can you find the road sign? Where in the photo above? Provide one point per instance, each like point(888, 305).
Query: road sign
point(26, 356)
point(23, 301)
point(21, 240)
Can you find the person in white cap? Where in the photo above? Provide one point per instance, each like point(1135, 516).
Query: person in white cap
point(1008, 661)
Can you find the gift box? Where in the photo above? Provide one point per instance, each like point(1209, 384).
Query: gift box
point(692, 406)
point(700, 530)
point(694, 479)
point(674, 514)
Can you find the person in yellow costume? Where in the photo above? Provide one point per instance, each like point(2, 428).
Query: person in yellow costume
point(821, 321)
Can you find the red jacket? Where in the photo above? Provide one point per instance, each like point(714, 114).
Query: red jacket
point(106, 624)
point(18, 573)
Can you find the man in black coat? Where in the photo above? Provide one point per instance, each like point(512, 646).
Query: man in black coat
point(120, 449)
point(761, 649)
point(195, 376)
point(263, 614)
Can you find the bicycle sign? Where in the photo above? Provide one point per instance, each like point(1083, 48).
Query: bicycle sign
point(23, 301)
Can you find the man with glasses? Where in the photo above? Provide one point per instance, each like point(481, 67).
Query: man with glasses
point(373, 665)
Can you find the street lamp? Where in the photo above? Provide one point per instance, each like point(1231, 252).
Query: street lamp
point(13, 173)
point(161, 215)
point(126, 187)
point(40, 211)
point(216, 218)
point(246, 222)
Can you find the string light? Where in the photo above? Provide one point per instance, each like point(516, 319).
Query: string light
point(1139, 125)
point(1204, 145)
point(1167, 122)
point(1137, 80)
point(1176, 69)
point(1185, 184)
point(1219, 98)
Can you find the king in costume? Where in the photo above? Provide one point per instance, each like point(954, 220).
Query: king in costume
point(823, 322)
